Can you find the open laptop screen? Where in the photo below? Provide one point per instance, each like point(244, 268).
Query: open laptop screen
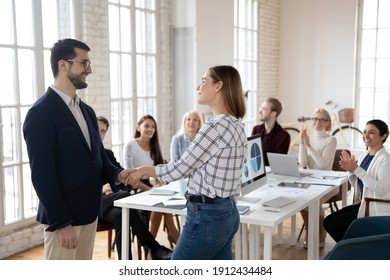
point(253, 174)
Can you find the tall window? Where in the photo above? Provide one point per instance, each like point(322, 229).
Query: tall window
point(245, 55)
point(373, 63)
point(26, 37)
point(132, 27)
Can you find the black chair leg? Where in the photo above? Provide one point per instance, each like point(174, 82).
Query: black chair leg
point(300, 233)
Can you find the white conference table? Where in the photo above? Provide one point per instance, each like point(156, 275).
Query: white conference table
point(145, 201)
point(259, 217)
point(255, 218)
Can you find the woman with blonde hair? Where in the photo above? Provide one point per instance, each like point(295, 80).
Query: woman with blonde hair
point(189, 128)
point(317, 151)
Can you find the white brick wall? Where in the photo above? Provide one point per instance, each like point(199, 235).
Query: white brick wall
point(95, 34)
point(165, 94)
point(20, 240)
point(269, 31)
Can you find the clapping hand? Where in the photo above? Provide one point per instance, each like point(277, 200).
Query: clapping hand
point(347, 162)
point(305, 138)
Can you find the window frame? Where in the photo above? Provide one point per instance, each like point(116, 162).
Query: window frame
point(365, 111)
point(247, 64)
point(20, 163)
point(123, 125)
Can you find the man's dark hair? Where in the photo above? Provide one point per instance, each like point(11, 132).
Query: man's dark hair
point(64, 49)
point(276, 106)
point(104, 120)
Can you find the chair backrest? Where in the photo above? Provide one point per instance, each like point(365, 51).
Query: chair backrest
point(336, 165)
point(366, 239)
point(371, 199)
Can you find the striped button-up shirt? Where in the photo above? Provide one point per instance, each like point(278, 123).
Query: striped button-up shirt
point(214, 160)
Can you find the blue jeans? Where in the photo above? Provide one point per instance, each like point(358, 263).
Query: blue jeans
point(208, 231)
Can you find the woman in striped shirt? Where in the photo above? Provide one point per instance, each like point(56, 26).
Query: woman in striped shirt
point(213, 163)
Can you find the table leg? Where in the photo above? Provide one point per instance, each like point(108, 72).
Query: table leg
point(125, 233)
point(268, 243)
point(344, 191)
point(280, 233)
point(257, 243)
point(293, 237)
point(313, 231)
point(237, 243)
point(252, 229)
point(244, 242)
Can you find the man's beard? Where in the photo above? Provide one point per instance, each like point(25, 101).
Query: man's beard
point(264, 118)
point(76, 81)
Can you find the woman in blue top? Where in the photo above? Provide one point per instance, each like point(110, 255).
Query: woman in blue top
point(370, 177)
point(189, 128)
point(213, 163)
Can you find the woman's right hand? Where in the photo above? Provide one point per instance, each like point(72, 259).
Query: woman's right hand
point(347, 162)
point(135, 177)
point(304, 137)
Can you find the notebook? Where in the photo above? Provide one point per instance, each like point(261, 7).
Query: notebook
point(278, 202)
point(286, 165)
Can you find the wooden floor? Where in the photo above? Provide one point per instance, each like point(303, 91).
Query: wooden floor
point(282, 251)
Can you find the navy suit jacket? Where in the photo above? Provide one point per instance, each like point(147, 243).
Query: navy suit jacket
point(66, 174)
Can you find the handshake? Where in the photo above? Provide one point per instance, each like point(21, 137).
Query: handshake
point(133, 176)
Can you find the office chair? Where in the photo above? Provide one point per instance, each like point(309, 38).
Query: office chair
point(367, 238)
point(103, 226)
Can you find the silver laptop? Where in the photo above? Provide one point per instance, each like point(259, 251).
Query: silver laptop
point(286, 165)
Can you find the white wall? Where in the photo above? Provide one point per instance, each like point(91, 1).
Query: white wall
point(214, 36)
point(317, 53)
point(183, 59)
point(212, 27)
point(183, 13)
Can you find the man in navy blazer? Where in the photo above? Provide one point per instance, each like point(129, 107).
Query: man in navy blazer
point(67, 158)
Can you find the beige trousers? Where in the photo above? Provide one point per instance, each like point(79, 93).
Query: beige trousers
point(86, 240)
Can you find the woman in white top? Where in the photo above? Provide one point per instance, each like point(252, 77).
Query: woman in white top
point(145, 149)
point(317, 151)
point(189, 128)
point(370, 177)
point(213, 163)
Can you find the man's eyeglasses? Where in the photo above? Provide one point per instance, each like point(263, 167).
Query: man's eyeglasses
point(86, 63)
point(319, 120)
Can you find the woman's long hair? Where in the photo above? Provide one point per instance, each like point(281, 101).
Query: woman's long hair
point(155, 151)
point(233, 95)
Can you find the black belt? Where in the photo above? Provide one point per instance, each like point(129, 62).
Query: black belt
point(200, 198)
